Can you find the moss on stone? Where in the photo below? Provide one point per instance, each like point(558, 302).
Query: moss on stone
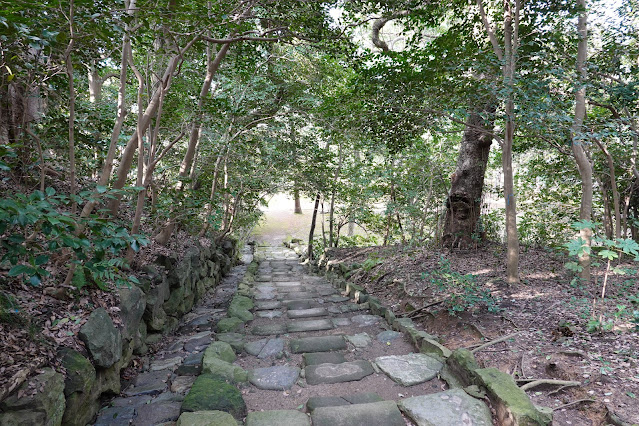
point(224, 370)
point(209, 393)
point(206, 418)
point(220, 350)
point(80, 372)
point(228, 325)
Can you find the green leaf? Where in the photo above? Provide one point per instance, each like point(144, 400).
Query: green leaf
point(41, 259)
point(608, 254)
point(20, 269)
point(35, 280)
point(101, 189)
point(50, 191)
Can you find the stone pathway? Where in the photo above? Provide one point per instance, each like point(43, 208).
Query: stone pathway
point(292, 351)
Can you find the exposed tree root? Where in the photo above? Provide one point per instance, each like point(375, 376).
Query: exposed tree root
point(493, 342)
point(539, 382)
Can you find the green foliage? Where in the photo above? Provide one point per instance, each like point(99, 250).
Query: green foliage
point(38, 232)
point(463, 290)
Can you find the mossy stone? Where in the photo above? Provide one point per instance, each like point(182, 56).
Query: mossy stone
point(80, 371)
point(228, 325)
point(210, 393)
point(175, 299)
point(462, 364)
point(236, 311)
point(206, 418)
point(224, 370)
point(220, 350)
point(242, 302)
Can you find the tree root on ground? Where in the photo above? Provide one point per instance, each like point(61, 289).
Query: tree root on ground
point(493, 342)
point(537, 382)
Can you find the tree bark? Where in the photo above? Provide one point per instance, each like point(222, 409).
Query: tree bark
point(312, 230)
point(298, 202)
point(463, 205)
point(578, 147)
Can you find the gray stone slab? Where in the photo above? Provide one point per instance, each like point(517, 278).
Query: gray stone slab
point(365, 320)
point(325, 291)
point(334, 309)
point(265, 296)
point(254, 348)
point(336, 298)
point(291, 289)
point(151, 383)
point(450, 408)
point(384, 413)
point(274, 348)
point(277, 418)
point(288, 284)
point(192, 365)
point(360, 340)
point(362, 398)
point(388, 336)
point(115, 416)
point(298, 304)
point(132, 401)
point(338, 373)
point(310, 325)
point(269, 329)
point(315, 358)
point(324, 401)
point(298, 295)
point(410, 369)
point(274, 378)
point(154, 414)
point(166, 364)
point(263, 305)
point(197, 344)
point(317, 344)
point(341, 322)
point(269, 314)
point(307, 313)
point(236, 340)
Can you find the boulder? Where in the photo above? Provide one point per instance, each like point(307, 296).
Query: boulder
point(41, 403)
point(209, 393)
point(220, 350)
point(102, 339)
point(80, 372)
point(132, 305)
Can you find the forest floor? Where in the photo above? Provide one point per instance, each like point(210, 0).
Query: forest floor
point(545, 315)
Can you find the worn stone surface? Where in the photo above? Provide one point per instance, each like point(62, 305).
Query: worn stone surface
point(192, 365)
point(255, 347)
point(268, 329)
point(115, 416)
point(365, 320)
point(362, 398)
point(182, 384)
point(384, 413)
point(315, 358)
point(317, 344)
point(450, 408)
point(220, 350)
point(236, 340)
point(151, 383)
point(206, 418)
point(274, 348)
point(341, 322)
point(209, 393)
point(274, 378)
point(307, 313)
point(80, 372)
point(324, 401)
point(229, 325)
point(388, 336)
point(294, 305)
point(360, 340)
point(157, 413)
point(197, 344)
point(410, 369)
point(309, 325)
point(269, 314)
point(277, 418)
point(102, 339)
point(267, 304)
point(165, 364)
point(337, 373)
point(44, 406)
point(223, 370)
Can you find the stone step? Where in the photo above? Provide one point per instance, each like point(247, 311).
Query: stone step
point(411, 369)
point(309, 325)
point(277, 418)
point(336, 401)
point(338, 373)
point(269, 329)
point(450, 408)
point(315, 358)
point(307, 313)
point(264, 305)
point(317, 344)
point(384, 413)
point(298, 295)
point(299, 304)
point(274, 378)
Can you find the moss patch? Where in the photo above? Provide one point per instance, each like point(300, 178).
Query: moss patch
point(209, 393)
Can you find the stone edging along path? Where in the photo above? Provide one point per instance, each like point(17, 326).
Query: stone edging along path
point(294, 350)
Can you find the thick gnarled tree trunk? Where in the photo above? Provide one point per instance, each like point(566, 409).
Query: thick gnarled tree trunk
point(463, 205)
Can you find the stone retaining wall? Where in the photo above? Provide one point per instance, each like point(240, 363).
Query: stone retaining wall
point(167, 291)
point(511, 404)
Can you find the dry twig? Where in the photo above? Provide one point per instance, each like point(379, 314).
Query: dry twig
point(493, 342)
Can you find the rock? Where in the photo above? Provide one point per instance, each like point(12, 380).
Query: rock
point(307, 313)
point(209, 393)
point(317, 344)
point(269, 314)
point(341, 322)
point(192, 365)
point(360, 340)
point(273, 348)
point(132, 305)
point(362, 398)
point(277, 418)
point(240, 307)
point(206, 418)
point(151, 383)
point(101, 338)
point(197, 343)
point(430, 346)
point(388, 336)
point(410, 369)
point(294, 305)
point(269, 329)
point(157, 413)
point(267, 305)
point(182, 384)
point(309, 325)
point(115, 416)
point(220, 350)
point(80, 372)
point(236, 340)
point(254, 348)
point(223, 370)
point(365, 320)
point(384, 413)
point(324, 401)
point(338, 373)
point(450, 408)
point(132, 401)
point(274, 378)
point(315, 358)
point(43, 401)
point(229, 325)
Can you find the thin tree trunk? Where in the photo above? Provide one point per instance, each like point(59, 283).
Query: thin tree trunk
point(607, 215)
point(578, 147)
point(209, 209)
point(331, 217)
point(613, 187)
point(298, 202)
point(69, 71)
point(312, 230)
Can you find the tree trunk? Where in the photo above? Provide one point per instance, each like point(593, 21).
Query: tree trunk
point(578, 147)
point(312, 230)
point(69, 70)
point(463, 206)
point(298, 202)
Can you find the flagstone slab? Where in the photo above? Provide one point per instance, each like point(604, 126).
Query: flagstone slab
point(151, 383)
point(317, 344)
point(360, 340)
point(269, 329)
point(274, 378)
point(450, 408)
point(338, 373)
point(310, 325)
point(410, 369)
point(269, 314)
point(236, 340)
point(315, 358)
point(365, 320)
point(388, 336)
point(298, 304)
point(384, 413)
point(291, 289)
point(341, 322)
point(298, 295)
point(273, 348)
point(277, 418)
point(288, 284)
point(307, 313)
point(336, 298)
point(324, 401)
point(265, 305)
point(254, 348)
